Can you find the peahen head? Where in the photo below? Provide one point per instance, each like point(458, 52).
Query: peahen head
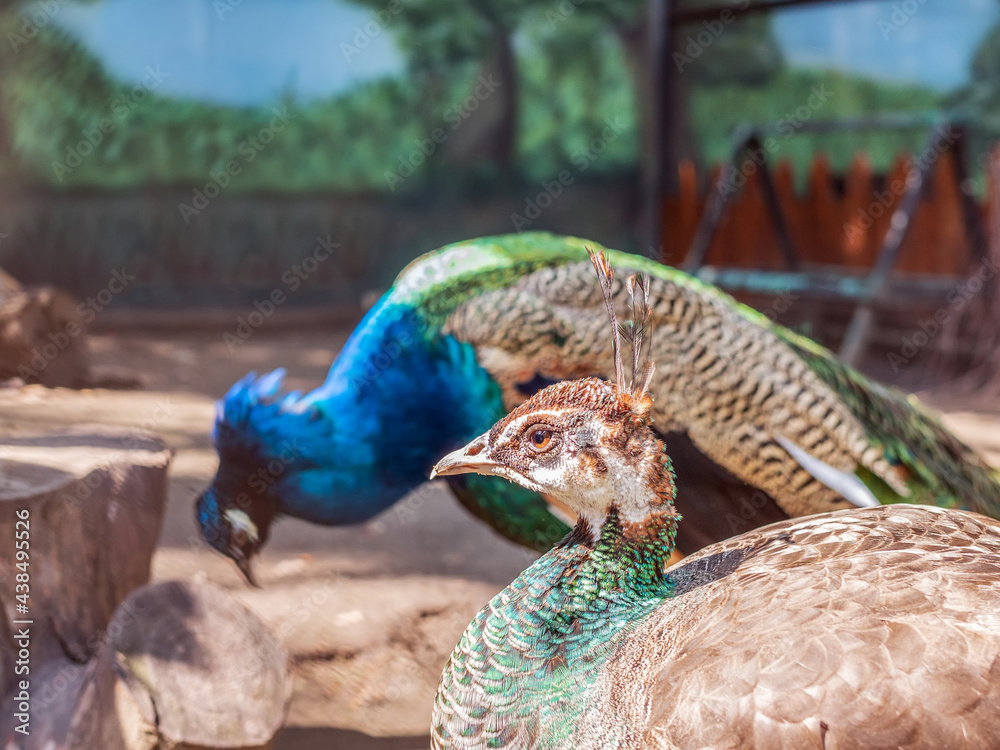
point(586, 443)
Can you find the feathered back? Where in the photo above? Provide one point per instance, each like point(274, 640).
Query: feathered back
point(745, 390)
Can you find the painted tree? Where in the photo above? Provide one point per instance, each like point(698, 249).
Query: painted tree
point(22, 21)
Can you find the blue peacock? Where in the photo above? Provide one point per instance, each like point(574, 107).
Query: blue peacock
point(762, 424)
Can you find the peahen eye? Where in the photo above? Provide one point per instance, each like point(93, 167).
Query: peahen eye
point(540, 439)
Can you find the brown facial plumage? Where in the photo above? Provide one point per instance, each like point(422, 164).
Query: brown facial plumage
point(581, 442)
point(588, 443)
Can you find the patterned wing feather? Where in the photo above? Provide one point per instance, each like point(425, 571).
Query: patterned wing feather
point(941, 469)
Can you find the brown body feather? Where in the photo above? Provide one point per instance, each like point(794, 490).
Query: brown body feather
point(874, 628)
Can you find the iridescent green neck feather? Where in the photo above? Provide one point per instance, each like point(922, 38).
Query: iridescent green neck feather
point(529, 657)
point(520, 675)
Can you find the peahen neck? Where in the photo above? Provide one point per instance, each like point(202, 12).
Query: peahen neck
point(594, 572)
point(624, 558)
point(547, 635)
point(626, 562)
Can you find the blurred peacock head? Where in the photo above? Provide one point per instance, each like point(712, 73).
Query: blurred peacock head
point(232, 530)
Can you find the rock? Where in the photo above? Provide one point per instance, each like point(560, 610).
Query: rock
point(42, 336)
point(187, 667)
point(115, 664)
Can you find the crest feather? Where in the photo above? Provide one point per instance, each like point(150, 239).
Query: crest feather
point(635, 332)
point(606, 274)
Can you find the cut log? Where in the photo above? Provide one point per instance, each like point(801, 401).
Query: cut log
point(94, 497)
point(115, 664)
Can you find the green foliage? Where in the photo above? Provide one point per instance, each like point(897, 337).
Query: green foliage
point(56, 92)
point(570, 98)
point(786, 103)
point(572, 80)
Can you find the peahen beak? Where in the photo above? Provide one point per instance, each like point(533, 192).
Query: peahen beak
point(472, 459)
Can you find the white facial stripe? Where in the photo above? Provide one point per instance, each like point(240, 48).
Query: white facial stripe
point(238, 519)
point(512, 476)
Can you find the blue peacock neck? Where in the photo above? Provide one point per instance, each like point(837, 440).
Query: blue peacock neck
point(397, 397)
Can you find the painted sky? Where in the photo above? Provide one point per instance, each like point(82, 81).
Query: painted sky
point(232, 52)
point(933, 45)
point(260, 49)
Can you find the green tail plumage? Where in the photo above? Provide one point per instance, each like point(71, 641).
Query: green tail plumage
point(943, 470)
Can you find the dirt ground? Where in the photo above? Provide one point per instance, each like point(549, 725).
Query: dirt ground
point(370, 613)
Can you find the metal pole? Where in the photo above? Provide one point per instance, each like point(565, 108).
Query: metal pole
point(861, 321)
point(716, 204)
point(719, 198)
point(655, 167)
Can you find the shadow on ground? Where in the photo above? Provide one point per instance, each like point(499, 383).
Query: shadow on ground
point(322, 738)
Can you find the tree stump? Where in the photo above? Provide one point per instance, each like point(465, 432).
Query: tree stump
point(95, 501)
point(171, 665)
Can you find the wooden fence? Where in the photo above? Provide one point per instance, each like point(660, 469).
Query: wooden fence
point(838, 220)
point(243, 246)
